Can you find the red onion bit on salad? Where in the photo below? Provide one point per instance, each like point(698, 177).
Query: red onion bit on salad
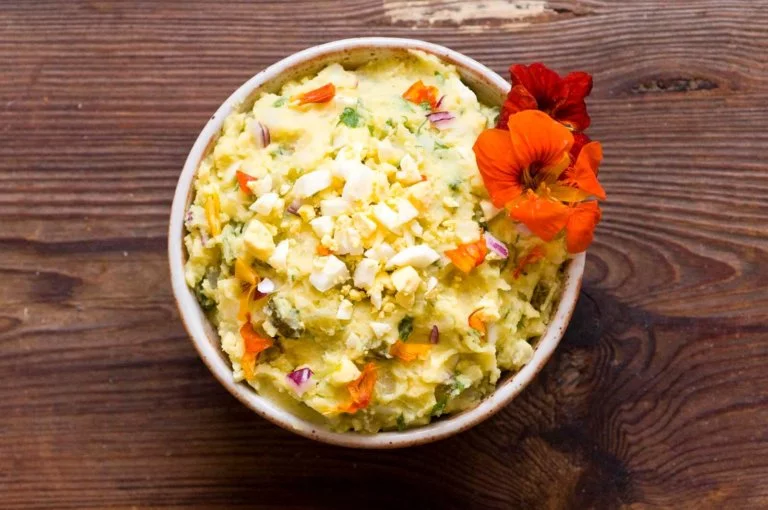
point(299, 379)
point(434, 335)
point(440, 120)
point(260, 133)
point(496, 246)
point(294, 207)
point(439, 102)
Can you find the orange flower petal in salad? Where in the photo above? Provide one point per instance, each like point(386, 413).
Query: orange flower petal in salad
point(361, 390)
point(469, 255)
point(319, 95)
point(545, 217)
point(254, 343)
point(534, 255)
point(476, 321)
point(243, 179)
point(409, 352)
point(419, 93)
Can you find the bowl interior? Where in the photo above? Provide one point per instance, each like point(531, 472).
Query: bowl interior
point(490, 89)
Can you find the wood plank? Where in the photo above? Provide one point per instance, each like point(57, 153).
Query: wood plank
point(656, 398)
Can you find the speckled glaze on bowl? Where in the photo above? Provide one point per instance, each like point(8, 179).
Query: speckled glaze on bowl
point(491, 89)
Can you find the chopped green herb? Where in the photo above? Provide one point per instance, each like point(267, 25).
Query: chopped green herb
point(405, 327)
point(440, 146)
point(444, 393)
point(540, 295)
point(439, 77)
point(401, 423)
point(391, 123)
point(370, 129)
point(205, 302)
point(350, 117)
point(280, 102)
point(418, 130)
point(425, 105)
point(455, 185)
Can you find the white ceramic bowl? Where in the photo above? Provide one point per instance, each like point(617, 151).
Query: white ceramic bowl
point(491, 89)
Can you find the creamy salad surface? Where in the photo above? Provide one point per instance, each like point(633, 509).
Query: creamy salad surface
point(322, 239)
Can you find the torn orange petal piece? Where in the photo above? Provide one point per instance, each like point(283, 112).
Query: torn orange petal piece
point(245, 273)
point(419, 93)
point(319, 95)
point(248, 362)
point(534, 255)
point(469, 255)
point(254, 343)
point(580, 230)
point(243, 179)
point(476, 321)
point(361, 390)
point(245, 302)
point(409, 352)
point(543, 216)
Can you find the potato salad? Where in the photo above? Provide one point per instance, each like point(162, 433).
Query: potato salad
point(342, 242)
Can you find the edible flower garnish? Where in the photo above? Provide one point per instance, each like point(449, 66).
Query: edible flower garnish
point(250, 281)
point(529, 170)
point(254, 344)
point(212, 210)
point(243, 179)
point(534, 255)
point(536, 87)
point(409, 352)
point(477, 321)
point(361, 390)
point(418, 93)
point(468, 256)
point(319, 95)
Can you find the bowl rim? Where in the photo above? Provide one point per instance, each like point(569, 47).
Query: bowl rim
point(195, 321)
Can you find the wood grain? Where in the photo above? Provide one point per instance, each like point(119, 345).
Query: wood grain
point(656, 399)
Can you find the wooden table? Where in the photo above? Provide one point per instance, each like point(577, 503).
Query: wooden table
point(657, 398)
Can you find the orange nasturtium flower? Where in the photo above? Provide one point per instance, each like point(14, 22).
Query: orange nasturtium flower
point(529, 170)
point(409, 352)
point(419, 93)
point(254, 344)
point(536, 87)
point(319, 95)
point(468, 256)
point(361, 390)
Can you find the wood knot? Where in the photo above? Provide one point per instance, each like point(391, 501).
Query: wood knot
point(674, 85)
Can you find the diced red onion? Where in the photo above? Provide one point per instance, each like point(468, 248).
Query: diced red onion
point(434, 335)
point(496, 246)
point(294, 207)
point(299, 379)
point(260, 133)
point(188, 217)
point(439, 101)
point(266, 286)
point(440, 119)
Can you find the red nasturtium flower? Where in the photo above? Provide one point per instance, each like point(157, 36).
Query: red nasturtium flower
point(537, 87)
point(529, 170)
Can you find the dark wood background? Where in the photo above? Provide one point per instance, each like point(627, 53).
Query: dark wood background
point(657, 398)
